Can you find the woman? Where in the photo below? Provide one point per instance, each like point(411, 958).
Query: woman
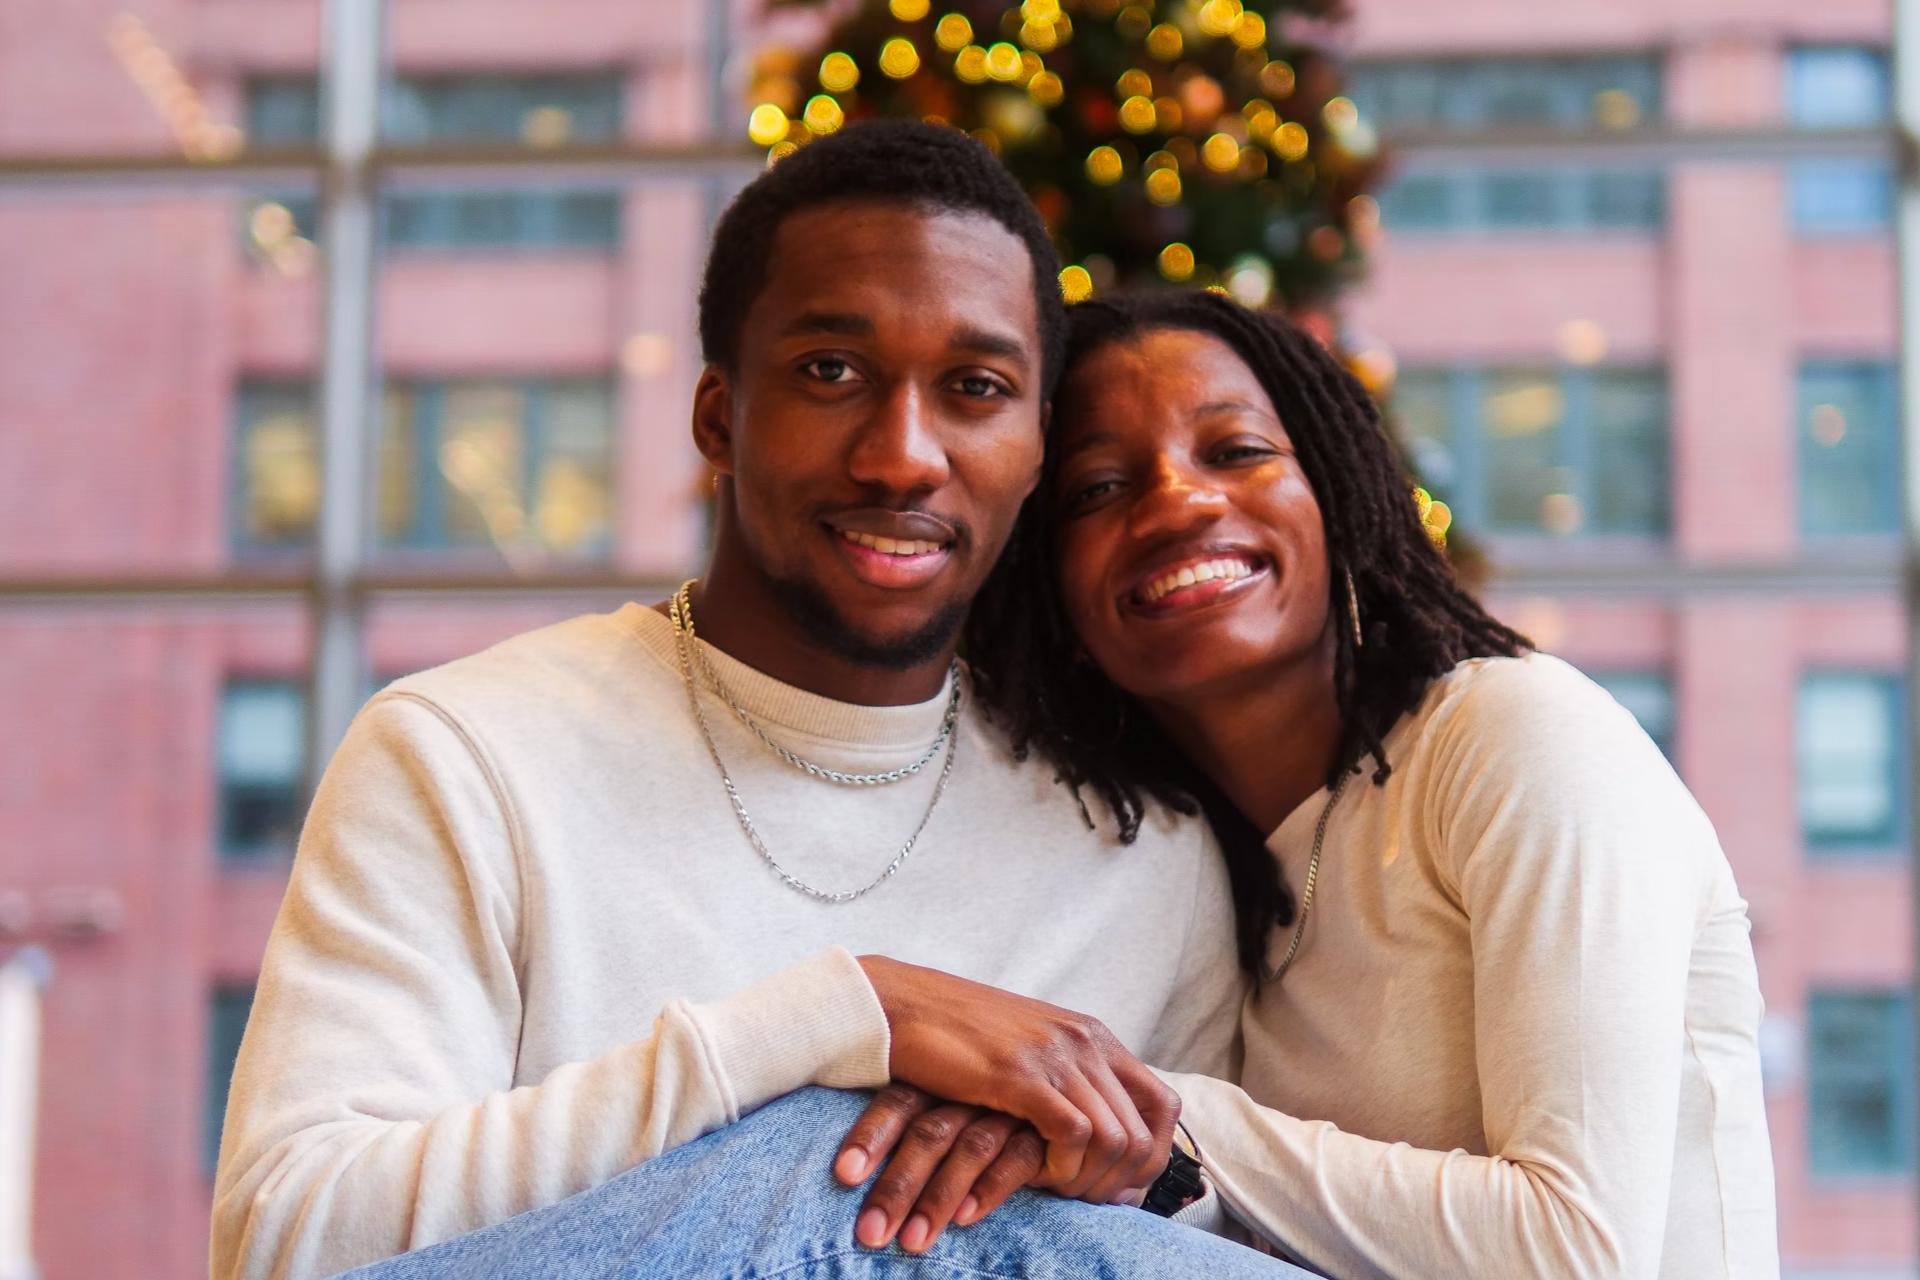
point(1507, 1009)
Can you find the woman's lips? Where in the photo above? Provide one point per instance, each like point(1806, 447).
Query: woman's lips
point(1195, 583)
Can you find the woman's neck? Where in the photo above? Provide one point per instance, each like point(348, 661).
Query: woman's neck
point(1267, 743)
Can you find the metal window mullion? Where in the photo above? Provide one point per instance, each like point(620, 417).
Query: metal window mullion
point(1575, 450)
point(1906, 52)
point(347, 372)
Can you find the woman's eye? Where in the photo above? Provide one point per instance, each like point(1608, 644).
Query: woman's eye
point(1242, 452)
point(827, 369)
point(1088, 494)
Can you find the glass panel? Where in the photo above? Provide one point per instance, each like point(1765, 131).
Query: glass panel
point(1523, 199)
point(1421, 414)
point(1575, 93)
point(1420, 202)
point(1859, 1083)
point(1838, 87)
point(1629, 483)
point(1840, 196)
point(262, 762)
point(227, 1014)
point(1849, 760)
point(151, 401)
point(1521, 417)
point(1625, 198)
point(1849, 449)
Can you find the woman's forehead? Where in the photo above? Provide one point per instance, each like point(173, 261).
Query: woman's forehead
point(1183, 370)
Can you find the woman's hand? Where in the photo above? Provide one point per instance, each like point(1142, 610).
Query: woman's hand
point(1103, 1116)
point(950, 1163)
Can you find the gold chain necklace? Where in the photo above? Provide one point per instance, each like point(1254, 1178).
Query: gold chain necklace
point(1306, 890)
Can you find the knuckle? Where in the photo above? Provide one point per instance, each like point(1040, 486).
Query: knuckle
point(978, 1143)
point(933, 1129)
point(1109, 1137)
point(897, 1097)
point(894, 1188)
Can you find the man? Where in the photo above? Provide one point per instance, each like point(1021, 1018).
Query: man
point(568, 904)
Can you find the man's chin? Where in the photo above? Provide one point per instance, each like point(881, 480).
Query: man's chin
point(898, 646)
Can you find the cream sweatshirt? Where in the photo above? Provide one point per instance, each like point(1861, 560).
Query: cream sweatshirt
point(525, 944)
point(1519, 1039)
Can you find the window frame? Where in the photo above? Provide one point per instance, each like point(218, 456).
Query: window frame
point(1892, 842)
point(1899, 1076)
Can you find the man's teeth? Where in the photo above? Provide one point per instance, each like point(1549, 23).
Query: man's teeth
point(1193, 574)
point(890, 546)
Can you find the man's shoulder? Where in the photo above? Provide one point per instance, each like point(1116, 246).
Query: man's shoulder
point(592, 659)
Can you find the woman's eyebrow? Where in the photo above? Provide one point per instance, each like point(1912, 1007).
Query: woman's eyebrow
point(1082, 443)
point(1235, 405)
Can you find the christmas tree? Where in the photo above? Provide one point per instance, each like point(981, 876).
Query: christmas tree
point(1201, 142)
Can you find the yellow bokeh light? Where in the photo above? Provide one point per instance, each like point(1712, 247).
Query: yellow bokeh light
point(898, 58)
point(1133, 22)
point(1340, 114)
point(970, 64)
point(838, 73)
point(1250, 32)
point(1217, 17)
point(1220, 153)
point(1134, 83)
point(1615, 109)
point(1039, 36)
point(1076, 285)
point(1137, 114)
point(1031, 65)
point(953, 33)
point(908, 10)
point(1104, 166)
point(1047, 11)
point(1261, 119)
point(1277, 80)
point(1163, 186)
point(1046, 89)
point(1176, 262)
point(780, 151)
point(1165, 42)
point(1003, 62)
point(1161, 160)
point(823, 115)
point(1290, 140)
point(767, 125)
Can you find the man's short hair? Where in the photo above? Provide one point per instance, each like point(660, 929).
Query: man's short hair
point(905, 161)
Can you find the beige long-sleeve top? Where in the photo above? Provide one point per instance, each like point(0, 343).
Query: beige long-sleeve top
point(1519, 1039)
point(525, 944)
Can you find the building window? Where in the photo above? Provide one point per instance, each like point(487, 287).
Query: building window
point(1649, 696)
point(1851, 762)
point(261, 752)
point(1572, 452)
point(1839, 87)
point(226, 1023)
point(1848, 424)
point(522, 467)
point(535, 109)
point(1492, 93)
point(1859, 1083)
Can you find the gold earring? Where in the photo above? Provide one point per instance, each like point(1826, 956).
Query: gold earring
point(1353, 612)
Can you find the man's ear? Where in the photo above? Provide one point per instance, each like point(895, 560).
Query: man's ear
point(713, 419)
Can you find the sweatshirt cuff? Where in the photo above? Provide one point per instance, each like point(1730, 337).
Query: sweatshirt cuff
point(816, 1022)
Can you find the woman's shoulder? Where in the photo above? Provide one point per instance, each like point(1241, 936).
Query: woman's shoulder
point(1534, 691)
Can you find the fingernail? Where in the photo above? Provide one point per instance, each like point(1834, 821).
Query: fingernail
point(914, 1238)
point(851, 1167)
point(968, 1208)
point(871, 1229)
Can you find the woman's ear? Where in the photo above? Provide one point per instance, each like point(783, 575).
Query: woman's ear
point(713, 419)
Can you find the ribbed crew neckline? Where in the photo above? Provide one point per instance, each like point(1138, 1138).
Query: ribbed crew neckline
point(773, 702)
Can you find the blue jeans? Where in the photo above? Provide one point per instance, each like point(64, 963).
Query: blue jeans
point(758, 1200)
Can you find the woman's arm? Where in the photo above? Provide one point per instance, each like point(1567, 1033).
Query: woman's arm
point(1585, 870)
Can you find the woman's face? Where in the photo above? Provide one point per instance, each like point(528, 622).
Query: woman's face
point(1191, 552)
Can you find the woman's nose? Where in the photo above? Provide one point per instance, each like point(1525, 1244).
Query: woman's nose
point(1174, 501)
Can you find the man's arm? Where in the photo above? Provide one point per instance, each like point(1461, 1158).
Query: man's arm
point(373, 1107)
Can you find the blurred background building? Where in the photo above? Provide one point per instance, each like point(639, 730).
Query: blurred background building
point(1634, 290)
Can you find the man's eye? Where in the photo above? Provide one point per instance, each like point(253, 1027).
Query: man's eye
point(980, 385)
point(827, 369)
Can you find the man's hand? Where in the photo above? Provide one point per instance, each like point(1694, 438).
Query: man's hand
point(1103, 1116)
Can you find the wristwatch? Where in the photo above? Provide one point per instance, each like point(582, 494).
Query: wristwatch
point(1180, 1185)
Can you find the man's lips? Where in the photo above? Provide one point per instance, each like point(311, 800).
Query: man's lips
point(892, 549)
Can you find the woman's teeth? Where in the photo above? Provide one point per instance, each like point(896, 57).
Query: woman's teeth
point(890, 546)
point(1192, 575)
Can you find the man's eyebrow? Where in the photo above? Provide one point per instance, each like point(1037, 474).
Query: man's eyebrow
point(845, 324)
point(988, 343)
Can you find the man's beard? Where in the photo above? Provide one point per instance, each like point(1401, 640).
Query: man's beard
point(813, 609)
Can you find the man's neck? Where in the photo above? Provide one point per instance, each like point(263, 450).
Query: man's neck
point(738, 615)
point(1268, 743)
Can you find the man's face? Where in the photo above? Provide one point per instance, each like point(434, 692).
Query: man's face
point(884, 423)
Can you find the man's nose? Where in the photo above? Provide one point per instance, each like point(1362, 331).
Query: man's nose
point(899, 448)
point(1175, 500)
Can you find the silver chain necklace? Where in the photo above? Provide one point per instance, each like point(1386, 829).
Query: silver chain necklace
point(680, 611)
point(683, 601)
point(1306, 891)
